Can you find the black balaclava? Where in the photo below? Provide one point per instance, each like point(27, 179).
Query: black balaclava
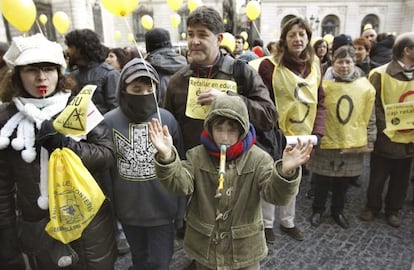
point(138, 108)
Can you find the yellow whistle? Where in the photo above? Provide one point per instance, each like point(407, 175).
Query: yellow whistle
point(222, 167)
point(221, 182)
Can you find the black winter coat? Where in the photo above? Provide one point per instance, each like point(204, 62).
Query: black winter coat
point(19, 182)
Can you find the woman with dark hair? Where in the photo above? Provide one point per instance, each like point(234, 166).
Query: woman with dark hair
point(321, 50)
point(117, 57)
point(294, 78)
point(35, 92)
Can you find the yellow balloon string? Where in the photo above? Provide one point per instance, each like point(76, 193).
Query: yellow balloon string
point(146, 67)
point(178, 36)
point(40, 28)
point(257, 30)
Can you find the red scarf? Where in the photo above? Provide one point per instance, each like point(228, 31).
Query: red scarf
point(233, 151)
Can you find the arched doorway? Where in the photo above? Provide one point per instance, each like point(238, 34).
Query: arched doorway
point(371, 19)
point(330, 25)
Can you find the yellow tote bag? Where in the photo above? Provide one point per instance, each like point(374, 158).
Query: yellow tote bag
point(74, 196)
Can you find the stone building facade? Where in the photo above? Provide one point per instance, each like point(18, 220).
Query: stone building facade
point(337, 17)
point(332, 17)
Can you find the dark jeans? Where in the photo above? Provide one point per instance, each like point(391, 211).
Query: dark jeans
point(339, 187)
point(151, 247)
point(398, 172)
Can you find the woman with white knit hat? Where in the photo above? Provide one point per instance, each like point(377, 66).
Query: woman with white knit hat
point(35, 92)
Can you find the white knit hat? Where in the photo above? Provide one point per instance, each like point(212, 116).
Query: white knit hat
point(34, 49)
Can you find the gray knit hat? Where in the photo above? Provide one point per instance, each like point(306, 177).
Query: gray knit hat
point(134, 69)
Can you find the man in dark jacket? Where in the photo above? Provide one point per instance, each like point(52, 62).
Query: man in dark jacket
point(87, 54)
point(162, 57)
point(87, 61)
point(393, 153)
point(205, 28)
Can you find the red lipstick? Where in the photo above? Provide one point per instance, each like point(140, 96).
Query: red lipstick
point(42, 90)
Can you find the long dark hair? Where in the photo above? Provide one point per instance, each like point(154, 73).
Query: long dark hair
point(316, 45)
point(121, 56)
point(88, 44)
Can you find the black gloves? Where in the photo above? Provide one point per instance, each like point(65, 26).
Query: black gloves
point(49, 138)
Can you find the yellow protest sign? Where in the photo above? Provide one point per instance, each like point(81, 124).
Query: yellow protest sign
point(399, 116)
point(395, 92)
point(198, 85)
point(296, 99)
point(80, 116)
point(348, 111)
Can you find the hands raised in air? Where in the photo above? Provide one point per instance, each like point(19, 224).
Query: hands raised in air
point(296, 156)
point(160, 138)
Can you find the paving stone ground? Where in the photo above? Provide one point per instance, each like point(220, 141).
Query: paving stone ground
point(364, 246)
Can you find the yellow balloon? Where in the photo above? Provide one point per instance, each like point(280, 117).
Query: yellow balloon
point(117, 35)
point(175, 4)
point(244, 35)
point(120, 8)
point(368, 26)
point(328, 38)
point(193, 4)
point(19, 13)
point(131, 37)
point(228, 41)
point(147, 22)
point(43, 19)
point(175, 20)
point(245, 45)
point(61, 22)
point(253, 10)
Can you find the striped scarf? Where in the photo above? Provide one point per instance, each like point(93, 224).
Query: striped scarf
point(233, 151)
